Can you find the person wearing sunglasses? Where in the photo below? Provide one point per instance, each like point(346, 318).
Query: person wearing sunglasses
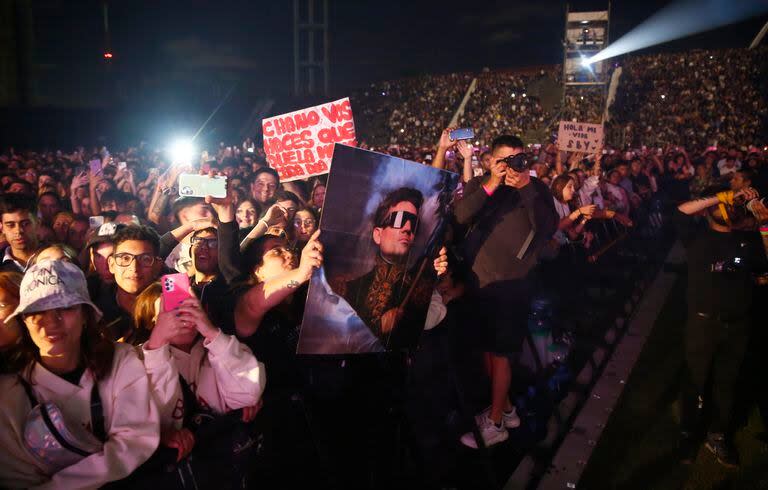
point(378, 296)
point(511, 216)
point(135, 264)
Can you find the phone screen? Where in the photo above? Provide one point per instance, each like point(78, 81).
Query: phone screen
point(95, 221)
point(201, 185)
point(95, 166)
point(462, 134)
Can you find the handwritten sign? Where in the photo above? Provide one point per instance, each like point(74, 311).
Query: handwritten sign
point(299, 145)
point(582, 137)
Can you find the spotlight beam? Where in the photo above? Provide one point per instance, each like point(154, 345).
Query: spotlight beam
point(681, 19)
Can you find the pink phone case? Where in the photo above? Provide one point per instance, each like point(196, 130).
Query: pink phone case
point(175, 290)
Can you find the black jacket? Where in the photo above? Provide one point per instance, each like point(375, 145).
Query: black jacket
point(508, 230)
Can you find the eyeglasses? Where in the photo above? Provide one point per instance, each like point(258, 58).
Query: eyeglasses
point(309, 222)
point(398, 220)
point(208, 242)
point(124, 259)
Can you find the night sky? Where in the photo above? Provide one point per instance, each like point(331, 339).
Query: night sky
point(369, 40)
point(176, 61)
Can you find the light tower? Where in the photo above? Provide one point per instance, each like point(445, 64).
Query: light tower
point(586, 34)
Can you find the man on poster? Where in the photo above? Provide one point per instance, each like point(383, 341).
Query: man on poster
point(512, 216)
point(389, 295)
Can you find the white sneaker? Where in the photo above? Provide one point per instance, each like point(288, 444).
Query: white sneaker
point(511, 420)
point(491, 433)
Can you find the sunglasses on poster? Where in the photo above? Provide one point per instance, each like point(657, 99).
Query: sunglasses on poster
point(398, 220)
point(518, 163)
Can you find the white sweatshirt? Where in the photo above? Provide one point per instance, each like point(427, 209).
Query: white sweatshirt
point(223, 374)
point(130, 415)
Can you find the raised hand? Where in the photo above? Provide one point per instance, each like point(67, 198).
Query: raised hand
point(275, 215)
point(168, 326)
point(223, 206)
point(441, 262)
point(445, 139)
point(311, 255)
point(192, 312)
point(465, 149)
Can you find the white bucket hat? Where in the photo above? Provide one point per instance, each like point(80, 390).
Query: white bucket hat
point(52, 284)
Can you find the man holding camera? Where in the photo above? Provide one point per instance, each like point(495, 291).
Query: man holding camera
point(512, 216)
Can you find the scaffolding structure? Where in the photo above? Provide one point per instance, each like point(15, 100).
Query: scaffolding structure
point(310, 47)
point(586, 34)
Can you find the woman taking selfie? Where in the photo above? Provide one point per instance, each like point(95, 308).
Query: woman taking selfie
point(77, 411)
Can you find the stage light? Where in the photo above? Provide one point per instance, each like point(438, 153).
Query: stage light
point(663, 96)
point(181, 151)
point(680, 19)
point(513, 95)
point(585, 62)
point(108, 55)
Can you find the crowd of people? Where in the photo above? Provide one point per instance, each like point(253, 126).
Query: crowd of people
point(500, 103)
point(702, 97)
point(108, 379)
point(411, 111)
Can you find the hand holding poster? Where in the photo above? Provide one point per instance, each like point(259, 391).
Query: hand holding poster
point(581, 137)
point(299, 145)
point(383, 222)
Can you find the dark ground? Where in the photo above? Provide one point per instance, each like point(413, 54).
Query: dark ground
point(638, 448)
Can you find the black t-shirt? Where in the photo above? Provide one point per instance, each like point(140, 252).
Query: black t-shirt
point(275, 340)
point(720, 269)
point(73, 377)
point(118, 323)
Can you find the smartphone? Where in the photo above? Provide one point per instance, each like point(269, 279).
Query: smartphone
point(95, 166)
point(195, 185)
point(95, 221)
point(462, 134)
point(175, 290)
point(122, 165)
point(250, 150)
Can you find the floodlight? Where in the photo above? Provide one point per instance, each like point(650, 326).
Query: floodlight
point(182, 151)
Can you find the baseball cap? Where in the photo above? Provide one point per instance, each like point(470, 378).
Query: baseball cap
point(104, 233)
point(51, 284)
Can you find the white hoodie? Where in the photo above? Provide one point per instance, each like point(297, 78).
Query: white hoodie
point(223, 374)
point(131, 421)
